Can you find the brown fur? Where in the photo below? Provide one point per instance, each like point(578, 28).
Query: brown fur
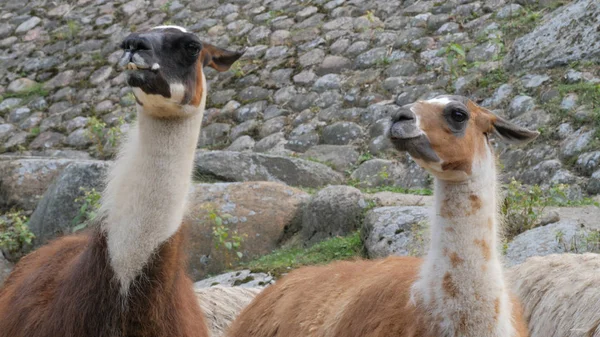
point(352, 299)
point(461, 154)
point(199, 87)
point(67, 289)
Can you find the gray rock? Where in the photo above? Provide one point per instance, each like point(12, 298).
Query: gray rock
point(399, 231)
point(280, 37)
point(380, 172)
point(21, 85)
point(593, 186)
point(509, 11)
point(101, 75)
point(259, 211)
point(557, 40)
point(339, 46)
point(214, 134)
point(9, 104)
point(569, 102)
point(312, 57)
point(253, 93)
point(16, 141)
point(250, 111)
point(63, 79)
point(241, 144)
point(501, 95)
point(270, 142)
point(357, 48)
point(6, 130)
point(47, 140)
point(448, 28)
point(541, 172)
point(305, 78)
point(18, 115)
point(588, 163)
point(56, 211)
point(486, 51)
point(573, 76)
point(342, 133)
point(234, 166)
point(303, 137)
point(520, 105)
point(5, 268)
point(327, 82)
point(561, 237)
point(28, 25)
point(333, 211)
point(533, 81)
point(273, 111)
point(76, 123)
point(273, 125)
point(79, 139)
point(247, 128)
point(333, 64)
point(24, 181)
point(339, 157)
point(402, 68)
point(240, 278)
point(276, 52)
point(576, 143)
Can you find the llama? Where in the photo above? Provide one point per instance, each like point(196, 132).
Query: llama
point(560, 294)
point(457, 290)
point(127, 275)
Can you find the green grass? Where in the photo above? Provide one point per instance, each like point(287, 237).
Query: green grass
point(397, 189)
point(588, 94)
point(284, 260)
point(35, 91)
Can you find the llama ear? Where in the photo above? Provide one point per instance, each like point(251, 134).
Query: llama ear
point(511, 133)
point(218, 58)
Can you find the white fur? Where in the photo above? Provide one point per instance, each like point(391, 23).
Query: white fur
point(478, 282)
point(171, 26)
point(155, 66)
point(145, 198)
point(560, 294)
point(177, 92)
point(439, 100)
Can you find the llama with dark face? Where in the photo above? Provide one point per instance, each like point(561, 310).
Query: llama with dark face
point(127, 275)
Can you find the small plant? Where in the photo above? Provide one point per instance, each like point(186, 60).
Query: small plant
point(365, 157)
point(35, 90)
point(227, 241)
point(34, 132)
point(166, 7)
point(15, 236)
point(579, 243)
point(90, 202)
point(523, 206)
point(455, 59)
point(96, 131)
point(237, 71)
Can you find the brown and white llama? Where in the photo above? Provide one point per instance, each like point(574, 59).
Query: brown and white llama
point(127, 275)
point(457, 290)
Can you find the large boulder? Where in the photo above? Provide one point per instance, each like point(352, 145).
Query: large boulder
point(235, 166)
point(23, 181)
point(381, 172)
point(339, 157)
point(564, 236)
point(567, 35)
point(396, 231)
point(239, 278)
point(333, 211)
point(57, 210)
point(260, 212)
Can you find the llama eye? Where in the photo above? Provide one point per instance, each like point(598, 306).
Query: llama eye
point(458, 116)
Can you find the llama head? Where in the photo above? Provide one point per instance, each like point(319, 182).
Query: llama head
point(164, 66)
point(448, 135)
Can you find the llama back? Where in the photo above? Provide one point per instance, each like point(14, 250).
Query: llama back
point(559, 294)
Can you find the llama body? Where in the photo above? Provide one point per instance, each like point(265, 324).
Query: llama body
point(560, 294)
point(127, 275)
point(457, 290)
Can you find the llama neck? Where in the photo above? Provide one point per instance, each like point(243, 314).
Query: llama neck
point(145, 198)
point(461, 281)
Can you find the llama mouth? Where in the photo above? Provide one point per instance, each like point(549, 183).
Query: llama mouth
point(418, 147)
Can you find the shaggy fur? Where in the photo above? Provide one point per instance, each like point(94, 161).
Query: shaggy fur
point(67, 289)
point(221, 305)
point(560, 294)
